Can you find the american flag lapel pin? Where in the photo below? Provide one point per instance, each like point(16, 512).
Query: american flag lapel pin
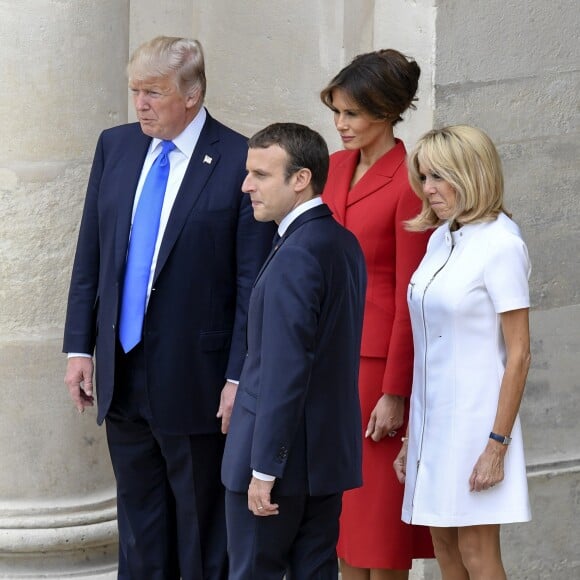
point(207, 159)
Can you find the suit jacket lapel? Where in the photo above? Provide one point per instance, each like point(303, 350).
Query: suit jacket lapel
point(379, 175)
point(129, 172)
point(269, 258)
point(314, 213)
point(204, 160)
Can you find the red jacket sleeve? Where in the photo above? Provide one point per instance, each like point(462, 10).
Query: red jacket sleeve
point(409, 250)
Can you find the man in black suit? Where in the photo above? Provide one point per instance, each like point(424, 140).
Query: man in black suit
point(168, 329)
point(294, 441)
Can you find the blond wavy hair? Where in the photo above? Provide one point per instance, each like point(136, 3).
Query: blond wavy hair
point(168, 55)
point(467, 159)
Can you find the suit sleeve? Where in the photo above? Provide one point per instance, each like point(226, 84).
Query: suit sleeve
point(80, 324)
point(292, 306)
point(409, 250)
point(253, 243)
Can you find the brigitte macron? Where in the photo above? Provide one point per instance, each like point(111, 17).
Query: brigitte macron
point(463, 462)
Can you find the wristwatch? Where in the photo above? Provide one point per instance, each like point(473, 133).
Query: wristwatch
point(503, 439)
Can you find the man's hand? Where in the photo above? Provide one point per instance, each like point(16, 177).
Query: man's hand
point(227, 399)
point(387, 416)
point(79, 380)
point(259, 498)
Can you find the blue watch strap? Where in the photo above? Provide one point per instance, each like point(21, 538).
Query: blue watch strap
point(503, 439)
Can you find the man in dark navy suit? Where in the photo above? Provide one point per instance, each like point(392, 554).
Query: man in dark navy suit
point(166, 256)
point(294, 441)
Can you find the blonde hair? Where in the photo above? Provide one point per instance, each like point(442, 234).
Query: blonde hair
point(164, 56)
point(467, 159)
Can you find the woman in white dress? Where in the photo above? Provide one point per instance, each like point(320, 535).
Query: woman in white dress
point(462, 461)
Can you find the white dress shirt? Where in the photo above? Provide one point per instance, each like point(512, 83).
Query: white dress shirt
point(299, 210)
point(178, 161)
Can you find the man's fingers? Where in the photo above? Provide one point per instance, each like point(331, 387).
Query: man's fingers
point(265, 508)
point(261, 505)
point(79, 381)
point(87, 386)
point(225, 424)
point(227, 399)
point(224, 413)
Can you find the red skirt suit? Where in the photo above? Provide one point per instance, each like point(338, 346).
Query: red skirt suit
point(372, 534)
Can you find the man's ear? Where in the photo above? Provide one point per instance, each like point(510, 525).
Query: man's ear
point(303, 178)
point(192, 99)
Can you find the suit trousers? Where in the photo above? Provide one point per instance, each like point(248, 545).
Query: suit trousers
point(170, 501)
point(298, 543)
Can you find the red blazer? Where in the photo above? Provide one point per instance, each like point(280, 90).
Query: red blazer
point(374, 210)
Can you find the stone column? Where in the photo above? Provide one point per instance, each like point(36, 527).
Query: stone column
point(62, 82)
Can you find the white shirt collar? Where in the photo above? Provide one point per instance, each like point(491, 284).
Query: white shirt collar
point(187, 139)
point(299, 210)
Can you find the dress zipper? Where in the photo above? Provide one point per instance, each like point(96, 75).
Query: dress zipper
point(420, 448)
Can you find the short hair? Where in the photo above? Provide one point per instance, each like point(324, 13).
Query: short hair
point(305, 149)
point(467, 159)
point(166, 55)
point(383, 83)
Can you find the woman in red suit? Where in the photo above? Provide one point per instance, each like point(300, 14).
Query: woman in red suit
point(368, 192)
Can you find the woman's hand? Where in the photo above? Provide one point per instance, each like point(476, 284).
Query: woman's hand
point(488, 470)
point(400, 463)
point(387, 416)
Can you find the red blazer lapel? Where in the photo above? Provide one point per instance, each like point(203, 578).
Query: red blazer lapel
point(338, 184)
point(379, 175)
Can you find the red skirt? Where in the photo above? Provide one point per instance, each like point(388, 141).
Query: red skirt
point(372, 534)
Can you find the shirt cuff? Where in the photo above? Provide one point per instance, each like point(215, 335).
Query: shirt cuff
point(82, 354)
point(263, 476)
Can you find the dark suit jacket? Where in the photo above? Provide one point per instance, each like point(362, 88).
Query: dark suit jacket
point(212, 249)
point(297, 413)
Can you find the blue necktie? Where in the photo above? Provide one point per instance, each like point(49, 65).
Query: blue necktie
point(141, 248)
